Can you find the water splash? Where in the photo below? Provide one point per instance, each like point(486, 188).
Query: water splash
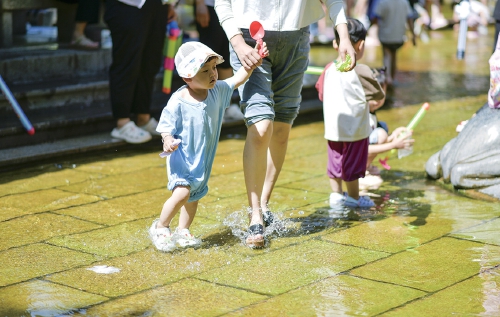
point(238, 224)
point(104, 269)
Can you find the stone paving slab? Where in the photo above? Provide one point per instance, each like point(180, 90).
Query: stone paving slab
point(122, 184)
point(475, 296)
point(218, 209)
point(121, 209)
point(340, 295)
point(33, 202)
point(283, 270)
point(39, 178)
point(112, 165)
point(433, 266)
point(486, 232)
point(108, 242)
point(227, 163)
point(38, 228)
point(318, 184)
point(36, 260)
point(133, 277)
point(177, 299)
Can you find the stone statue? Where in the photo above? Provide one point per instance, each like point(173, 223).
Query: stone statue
point(472, 159)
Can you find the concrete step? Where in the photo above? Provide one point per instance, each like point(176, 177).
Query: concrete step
point(64, 110)
point(91, 142)
point(42, 63)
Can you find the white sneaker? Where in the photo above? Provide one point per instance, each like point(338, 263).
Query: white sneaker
point(151, 127)
point(362, 202)
point(336, 200)
point(131, 133)
point(161, 237)
point(184, 238)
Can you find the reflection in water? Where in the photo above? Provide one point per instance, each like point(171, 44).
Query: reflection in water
point(491, 290)
point(44, 301)
point(332, 303)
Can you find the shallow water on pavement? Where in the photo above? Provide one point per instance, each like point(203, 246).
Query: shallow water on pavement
point(73, 232)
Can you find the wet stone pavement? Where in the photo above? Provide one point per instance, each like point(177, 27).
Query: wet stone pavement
point(74, 242)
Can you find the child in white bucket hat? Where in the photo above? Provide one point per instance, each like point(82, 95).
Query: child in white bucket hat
point(193, 116)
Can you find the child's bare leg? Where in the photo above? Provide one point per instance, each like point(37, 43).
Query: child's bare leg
point(188, 211)
point(180, 196)
point(353, 189)
point(336, 185)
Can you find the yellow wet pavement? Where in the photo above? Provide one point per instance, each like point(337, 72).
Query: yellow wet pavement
point(425, 250)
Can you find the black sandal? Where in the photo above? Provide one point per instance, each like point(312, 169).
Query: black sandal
point(253, 232)
point(268, 218)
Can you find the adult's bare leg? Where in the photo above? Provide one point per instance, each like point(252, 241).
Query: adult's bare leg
point(275, 159)
point(255, 164)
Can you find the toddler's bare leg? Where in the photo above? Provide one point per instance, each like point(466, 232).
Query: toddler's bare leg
point(188, 211)
point(180, 196)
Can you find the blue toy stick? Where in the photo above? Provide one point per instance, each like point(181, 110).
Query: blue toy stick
point(17, 109)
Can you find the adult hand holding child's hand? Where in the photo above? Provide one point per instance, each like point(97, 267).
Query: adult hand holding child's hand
point(248, 56)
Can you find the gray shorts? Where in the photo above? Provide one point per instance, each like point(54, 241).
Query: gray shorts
point(274, 89)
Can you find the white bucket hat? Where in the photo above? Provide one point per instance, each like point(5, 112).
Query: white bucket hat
point(191, 56)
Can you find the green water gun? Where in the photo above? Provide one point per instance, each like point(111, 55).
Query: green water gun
point(413, 123)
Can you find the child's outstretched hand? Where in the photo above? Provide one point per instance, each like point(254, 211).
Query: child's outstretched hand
point(400, 138)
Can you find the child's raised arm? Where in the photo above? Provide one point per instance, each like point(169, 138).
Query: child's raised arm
point(242, 75)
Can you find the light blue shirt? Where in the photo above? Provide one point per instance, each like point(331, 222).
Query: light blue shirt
point(197, 125)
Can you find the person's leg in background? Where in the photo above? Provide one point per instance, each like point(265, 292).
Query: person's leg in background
point(387, 61)
point(156, 23)
point(131, 77)
point(86, 13)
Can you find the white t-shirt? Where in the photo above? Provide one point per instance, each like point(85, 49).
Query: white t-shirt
point(345, 97)
point(275, 15)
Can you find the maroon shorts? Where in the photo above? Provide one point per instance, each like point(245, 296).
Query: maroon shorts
point(347, 160)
